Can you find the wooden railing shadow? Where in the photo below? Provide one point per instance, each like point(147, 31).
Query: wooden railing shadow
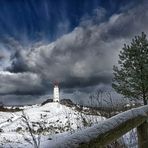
point(111, 129)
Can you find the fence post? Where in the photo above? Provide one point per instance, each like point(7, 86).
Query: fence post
point(142, 132)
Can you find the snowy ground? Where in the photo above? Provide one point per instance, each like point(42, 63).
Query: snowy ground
point(51, 122)
point(47, 121)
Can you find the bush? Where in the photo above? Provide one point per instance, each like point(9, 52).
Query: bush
point(47, 101)
point(67, 102)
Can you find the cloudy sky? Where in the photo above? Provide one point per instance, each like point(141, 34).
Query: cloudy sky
point(74, 42)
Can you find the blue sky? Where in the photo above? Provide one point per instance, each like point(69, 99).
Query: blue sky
point(74, 42)
point(48, 19)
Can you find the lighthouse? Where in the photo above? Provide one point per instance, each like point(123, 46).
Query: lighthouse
point(56, 93)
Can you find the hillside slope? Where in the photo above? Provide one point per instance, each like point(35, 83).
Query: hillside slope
point(45, 121)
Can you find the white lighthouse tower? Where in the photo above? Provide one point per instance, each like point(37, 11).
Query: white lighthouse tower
point(56, 93)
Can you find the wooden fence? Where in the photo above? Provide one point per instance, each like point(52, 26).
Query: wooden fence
point(109, 130)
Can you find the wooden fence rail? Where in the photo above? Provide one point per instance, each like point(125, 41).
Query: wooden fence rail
point(109, 130)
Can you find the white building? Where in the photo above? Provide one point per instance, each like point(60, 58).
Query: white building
point(56, 93)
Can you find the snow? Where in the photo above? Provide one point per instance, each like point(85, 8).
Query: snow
point(84, 136)
point(62, 126)
point(53, 117)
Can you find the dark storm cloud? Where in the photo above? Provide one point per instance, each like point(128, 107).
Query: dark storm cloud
point(2, 57)
point(13, 99)
point(20, 83)
point(79, 59)
point(130, 23)
point(74, 82)
point(18, 64)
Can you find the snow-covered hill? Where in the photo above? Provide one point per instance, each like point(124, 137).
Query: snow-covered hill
point(46, 121)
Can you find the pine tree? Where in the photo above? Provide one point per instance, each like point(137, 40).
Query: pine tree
point(131, 76)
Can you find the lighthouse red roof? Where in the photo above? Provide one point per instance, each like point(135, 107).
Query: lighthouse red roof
point(56, 83)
